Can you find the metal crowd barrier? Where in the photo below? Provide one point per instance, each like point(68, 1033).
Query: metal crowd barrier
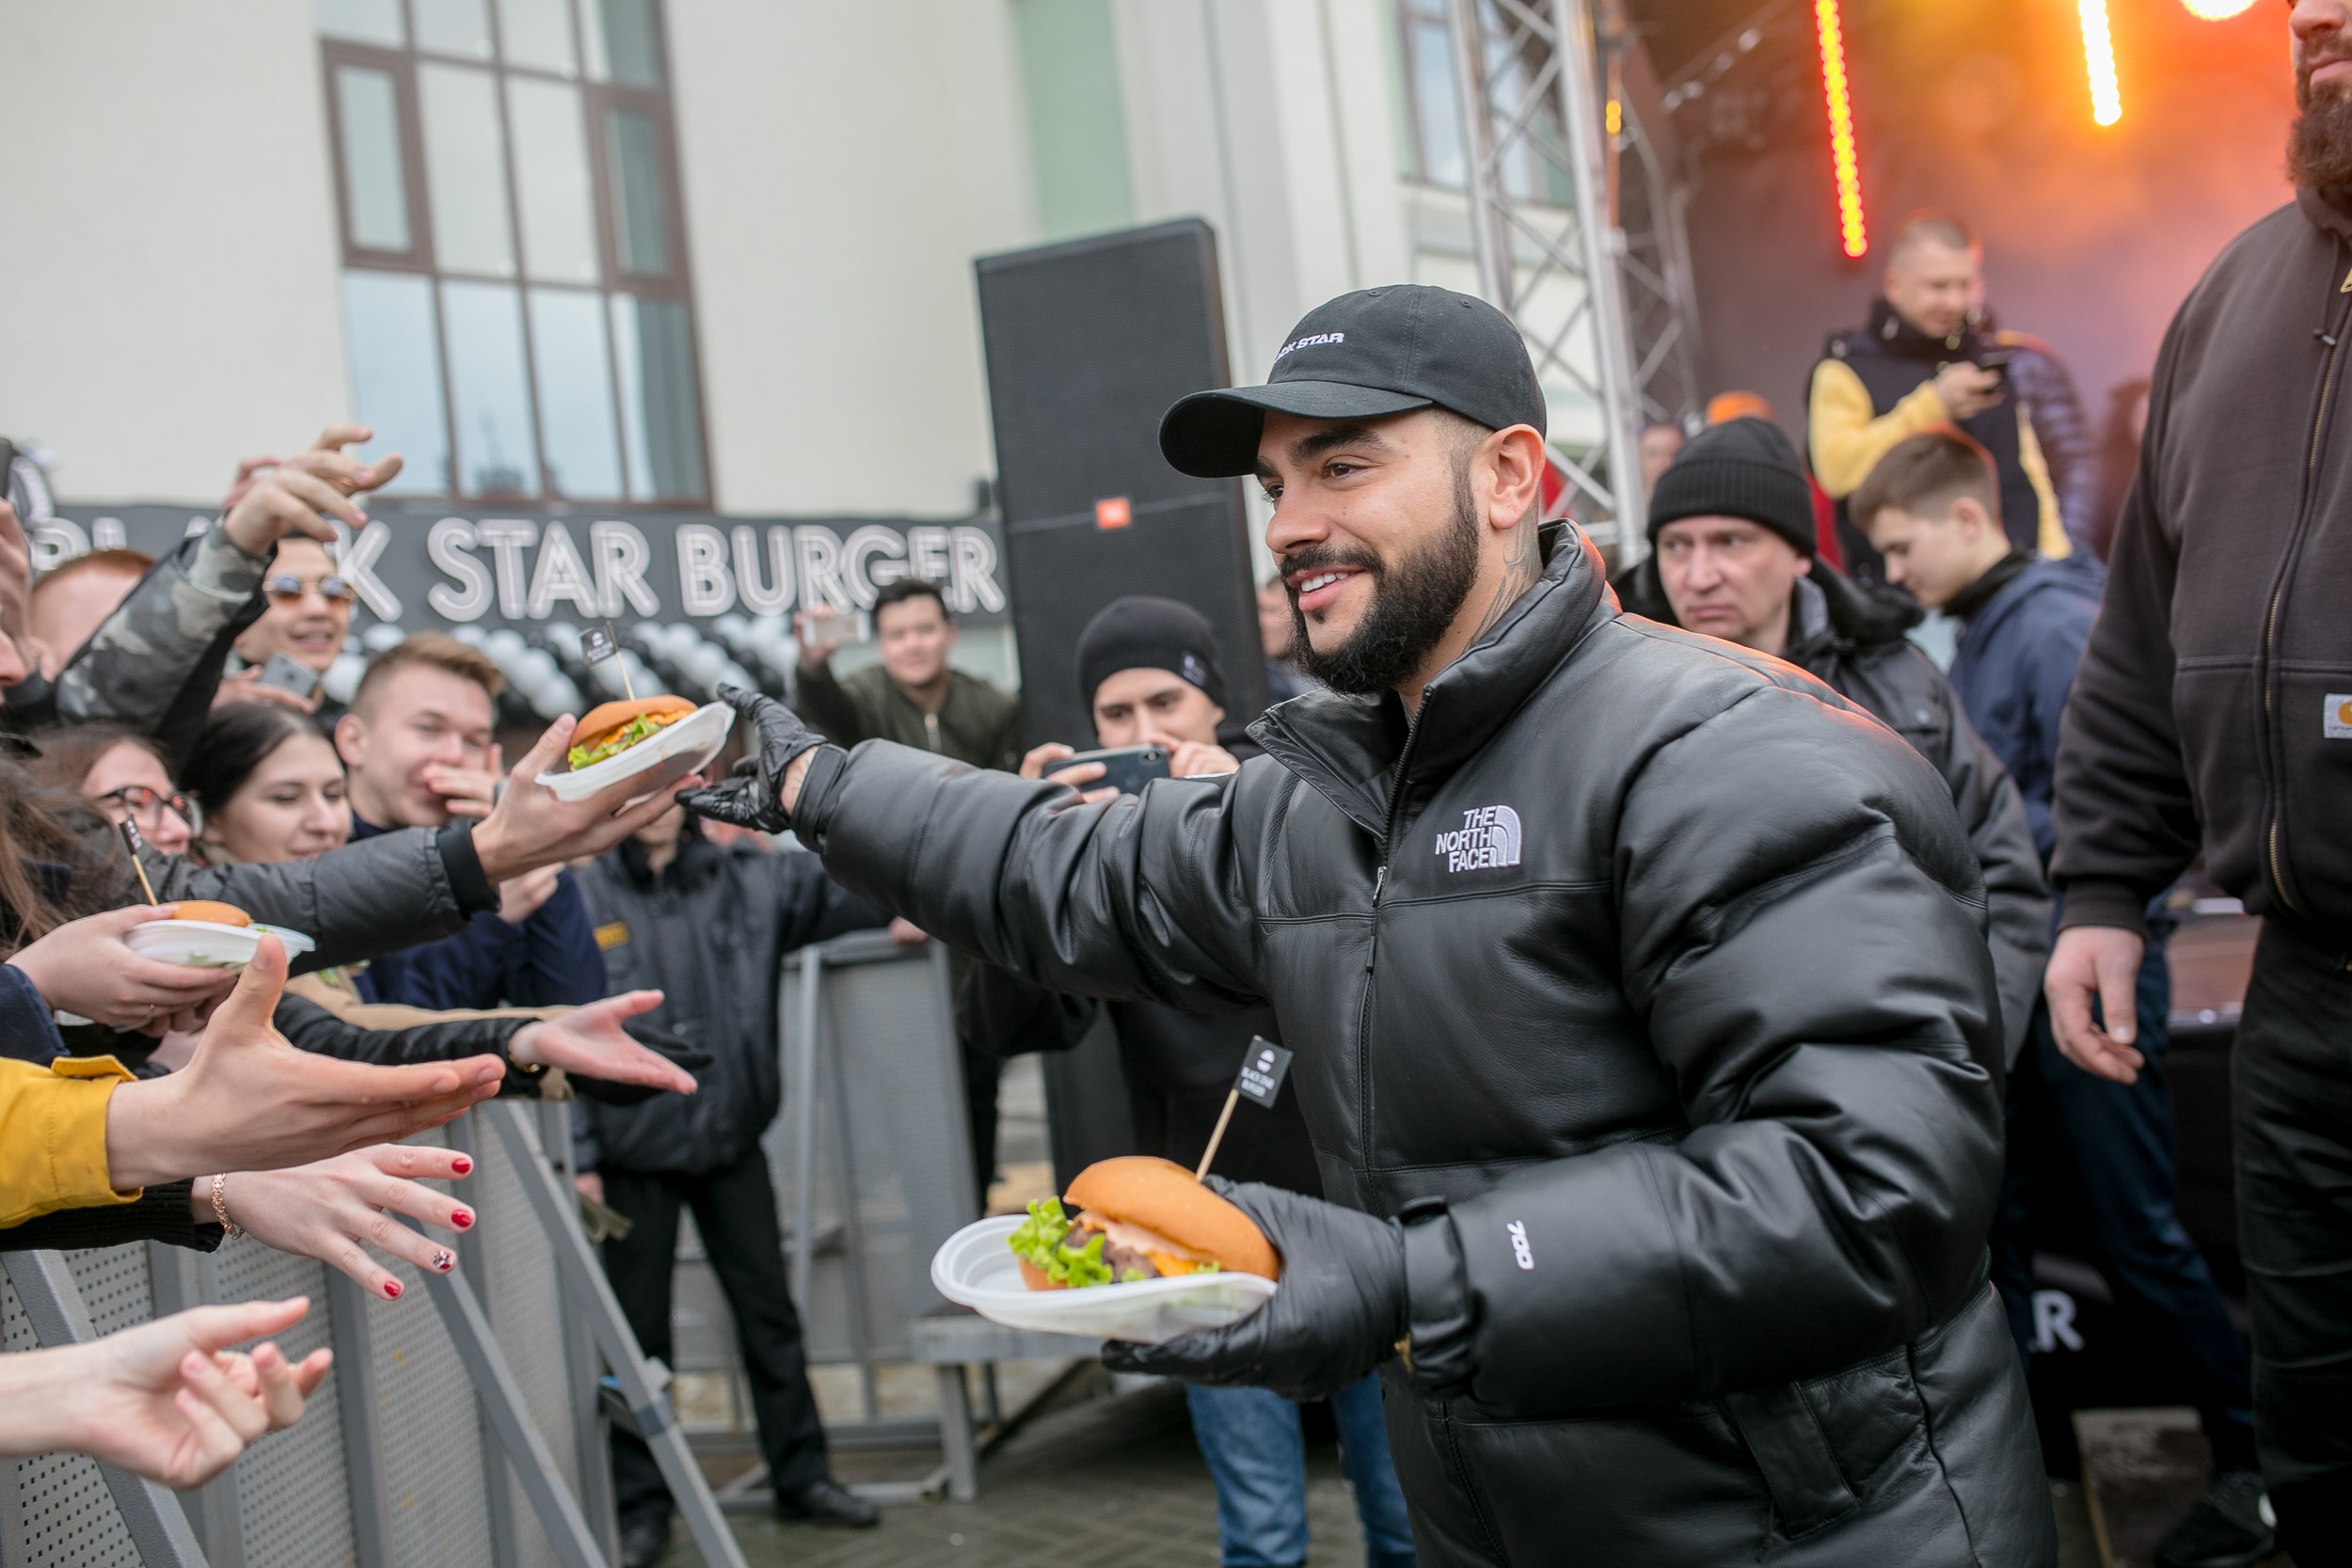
point(872, 1164)
point(462, 1423)
point(873, 1170)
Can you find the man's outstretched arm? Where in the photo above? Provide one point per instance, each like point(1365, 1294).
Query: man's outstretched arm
point(1077, 897)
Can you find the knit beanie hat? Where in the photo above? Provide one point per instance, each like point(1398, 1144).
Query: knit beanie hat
point(1140, 632)
point(1739, 468)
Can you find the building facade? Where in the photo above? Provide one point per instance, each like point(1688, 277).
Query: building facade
point(629, 260)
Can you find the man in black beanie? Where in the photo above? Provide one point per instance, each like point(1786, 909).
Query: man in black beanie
point(1731, 554)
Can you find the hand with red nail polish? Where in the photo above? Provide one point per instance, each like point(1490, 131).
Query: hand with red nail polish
point(336, 1210)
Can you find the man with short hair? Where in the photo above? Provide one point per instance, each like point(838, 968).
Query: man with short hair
point(1931, 354)
point(1731, 535)
point(1932, 507)
point(1644, 1020)
point(72, 600)
point(418, 748)
point(914, 696)
point(1149, 672)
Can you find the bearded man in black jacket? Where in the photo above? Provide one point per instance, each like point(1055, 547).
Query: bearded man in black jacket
point(2213, 713)
point(1643, 1021)
point(1731, 554)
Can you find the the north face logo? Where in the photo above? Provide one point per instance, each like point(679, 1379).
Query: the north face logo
point(1488, 836)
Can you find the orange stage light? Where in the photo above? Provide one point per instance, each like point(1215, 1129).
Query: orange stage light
point(2106, 99)
point(1837, 99)
point(2215, 10)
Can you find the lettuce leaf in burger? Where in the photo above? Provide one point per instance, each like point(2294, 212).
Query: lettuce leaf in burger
point(606, 731)
point(1139, 1218)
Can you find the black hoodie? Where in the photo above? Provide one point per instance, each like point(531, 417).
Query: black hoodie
point(2214, 704)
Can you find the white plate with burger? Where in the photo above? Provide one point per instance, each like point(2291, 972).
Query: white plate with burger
point(1144, 1253)
point(209, 935)
point(663, 738)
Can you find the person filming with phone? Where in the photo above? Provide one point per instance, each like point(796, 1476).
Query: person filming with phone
point(1931, 355)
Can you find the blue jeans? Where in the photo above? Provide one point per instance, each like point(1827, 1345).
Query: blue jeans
point(2118, 1140)
point(1257, 1459)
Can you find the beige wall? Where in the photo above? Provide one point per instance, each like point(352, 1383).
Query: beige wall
point(170, 283)
point(168, 295)
point(842, 167)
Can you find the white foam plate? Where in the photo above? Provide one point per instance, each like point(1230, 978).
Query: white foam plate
point(206, 944)
point(663, 757)
point(975, 1269)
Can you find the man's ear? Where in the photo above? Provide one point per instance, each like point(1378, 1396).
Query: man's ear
point(1970, 515)
point(350, 738)
point(1511, 475)
point(1217, 715)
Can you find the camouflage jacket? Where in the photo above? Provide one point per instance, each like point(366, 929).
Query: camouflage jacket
point(154, 663)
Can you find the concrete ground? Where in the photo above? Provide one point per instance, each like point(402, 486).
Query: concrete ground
point(1108, 1481)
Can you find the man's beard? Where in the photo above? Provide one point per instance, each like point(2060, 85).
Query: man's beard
point(1413, 605)
point(2319, 146)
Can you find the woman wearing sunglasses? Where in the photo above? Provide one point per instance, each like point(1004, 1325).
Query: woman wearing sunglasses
point(308, 616)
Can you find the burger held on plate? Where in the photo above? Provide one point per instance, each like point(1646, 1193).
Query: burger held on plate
point(608, 730)
point(211, 912)
point(1138, 1218)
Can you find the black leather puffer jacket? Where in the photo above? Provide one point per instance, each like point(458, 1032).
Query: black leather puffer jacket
point(1658, 971)
point(1850, 636)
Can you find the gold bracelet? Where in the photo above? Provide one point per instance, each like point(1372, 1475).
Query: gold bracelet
point(220, 1208)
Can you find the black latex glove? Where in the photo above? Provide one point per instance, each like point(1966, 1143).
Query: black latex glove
point(752, 795)
point(661, 1043)
point(1338, 1314)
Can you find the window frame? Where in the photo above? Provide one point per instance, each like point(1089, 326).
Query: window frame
point(597, 98)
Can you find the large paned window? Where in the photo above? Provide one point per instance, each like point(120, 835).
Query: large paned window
point(1431, 142)
point(515, 286)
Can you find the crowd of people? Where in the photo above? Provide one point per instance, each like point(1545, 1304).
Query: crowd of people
point(1672, 963)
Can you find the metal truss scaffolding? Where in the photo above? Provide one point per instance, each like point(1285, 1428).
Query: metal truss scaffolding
point(1605, 311)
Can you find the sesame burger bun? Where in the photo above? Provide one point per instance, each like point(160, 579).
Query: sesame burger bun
point(1036, 1278)
point(1162, 1196)
point(207, 909)
point(605, 718)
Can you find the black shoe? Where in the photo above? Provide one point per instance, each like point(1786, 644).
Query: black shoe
point(821, 1502)
point(2231, 1527)
point(644, 1542)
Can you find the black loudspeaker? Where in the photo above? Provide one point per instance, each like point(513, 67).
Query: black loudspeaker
point(1087, 343)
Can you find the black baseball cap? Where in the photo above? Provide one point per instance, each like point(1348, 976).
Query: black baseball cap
point(1377, 351)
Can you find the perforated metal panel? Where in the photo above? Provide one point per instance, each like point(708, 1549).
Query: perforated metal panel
point(295, 1493)
point(890, 1037)
point(293, 1497)
point(435, 1470)
point(58, 1511)
point(522, 1280)
point(115, 1287)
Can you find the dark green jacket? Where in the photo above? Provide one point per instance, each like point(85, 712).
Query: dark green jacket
point(976, 723)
